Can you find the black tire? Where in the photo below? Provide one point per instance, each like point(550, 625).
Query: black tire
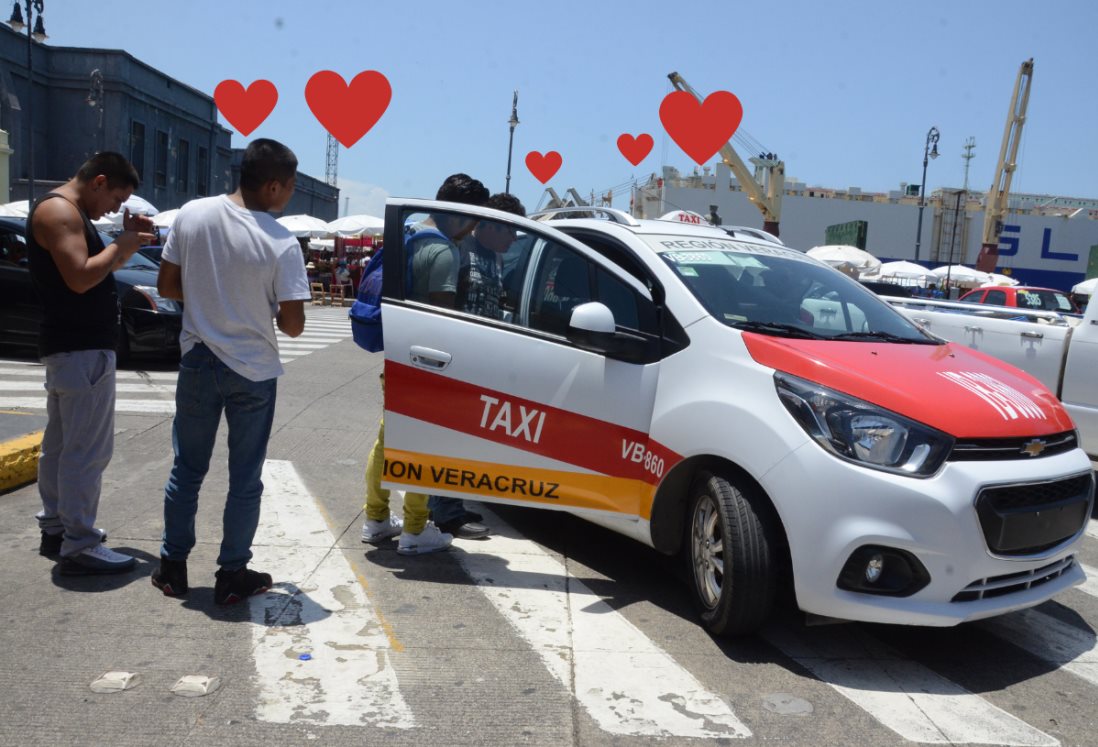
point(731, 555)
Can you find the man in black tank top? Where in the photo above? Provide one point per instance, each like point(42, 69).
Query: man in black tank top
point(73, 273)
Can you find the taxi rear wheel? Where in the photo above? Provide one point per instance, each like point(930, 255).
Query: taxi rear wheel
point(730, 548)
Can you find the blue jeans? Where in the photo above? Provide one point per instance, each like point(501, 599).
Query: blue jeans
point(445, 509)
point(207, 387)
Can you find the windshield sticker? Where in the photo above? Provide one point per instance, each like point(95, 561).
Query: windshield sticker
point(1007, 401)
point(699, 258)
point(687, 271)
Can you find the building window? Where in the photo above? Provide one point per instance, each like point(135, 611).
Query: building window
point(202, 169)
point(183, 166)
point(160, 175)
point(137, 148)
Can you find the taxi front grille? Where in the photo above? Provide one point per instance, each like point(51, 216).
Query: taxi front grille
point(1027, 518)
point(1011, 583)
point(1003, 449)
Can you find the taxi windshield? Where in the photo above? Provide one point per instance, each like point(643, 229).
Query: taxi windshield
point(780, 292)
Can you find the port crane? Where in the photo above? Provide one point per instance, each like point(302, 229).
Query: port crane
point(765, 187)
point(998, 196)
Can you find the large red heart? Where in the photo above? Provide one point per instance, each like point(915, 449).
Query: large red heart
point(543, 167)
point(245, 108)
point(635, 149)
point(702, 128)
point(348, 111)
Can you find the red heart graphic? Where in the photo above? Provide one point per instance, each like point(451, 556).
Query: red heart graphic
point(635, 149)
point(701, 129)
point(543, 167)
point(245, 108)
point(348, 111)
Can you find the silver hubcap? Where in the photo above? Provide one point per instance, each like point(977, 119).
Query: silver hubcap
point(707, 552)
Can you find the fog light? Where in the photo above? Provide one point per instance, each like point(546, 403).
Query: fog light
point(874, 568)
point(883, 571)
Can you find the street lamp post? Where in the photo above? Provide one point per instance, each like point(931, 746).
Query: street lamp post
point(34, 20)
point(511, 141)
point(931, 139)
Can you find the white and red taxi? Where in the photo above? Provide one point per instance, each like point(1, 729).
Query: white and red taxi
point(718, 395)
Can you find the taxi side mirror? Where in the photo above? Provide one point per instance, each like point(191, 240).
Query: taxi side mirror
point(592, 328)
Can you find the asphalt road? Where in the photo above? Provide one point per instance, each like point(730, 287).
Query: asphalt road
point(552, 632)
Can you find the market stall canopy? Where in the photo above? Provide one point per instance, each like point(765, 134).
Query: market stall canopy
point(305, 226)
point(17, 209)
point(1086, 288)
point(166, 218)
point(838, 255)
point(322, 245)
point(356, 225)
point(962, 275)
point(136, 205)
point(904, 270)
point(999, 279)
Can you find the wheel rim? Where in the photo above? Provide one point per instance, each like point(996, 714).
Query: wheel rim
point(707, 551)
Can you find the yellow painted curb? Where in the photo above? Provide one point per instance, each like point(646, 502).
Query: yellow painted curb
point(19, 460)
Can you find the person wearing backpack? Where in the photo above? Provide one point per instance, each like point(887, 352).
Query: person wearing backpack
point(434, 262)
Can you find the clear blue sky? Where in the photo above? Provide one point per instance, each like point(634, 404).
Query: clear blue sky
point(843, 91)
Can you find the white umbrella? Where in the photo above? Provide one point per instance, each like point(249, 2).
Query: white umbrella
point(904, 270)
point(305, 225)
point(166, 218)
point(999, 279)
point(1086, 288)
point(17, 209)
point(962, 275)
point(136, 205)
point(356, 225)
point(322, 245)
point(838, 255)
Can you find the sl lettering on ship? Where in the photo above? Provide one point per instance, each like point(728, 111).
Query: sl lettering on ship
point(1007, 401)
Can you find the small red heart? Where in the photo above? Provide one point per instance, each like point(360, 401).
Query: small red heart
point(348, 111)
point(701, 128)
point(245, 108)
point(635, 149)
point(543, 167)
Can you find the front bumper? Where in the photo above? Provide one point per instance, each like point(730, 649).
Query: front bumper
point(830, 508)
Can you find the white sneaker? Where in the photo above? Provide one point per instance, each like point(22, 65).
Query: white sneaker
point(429, 540)
point(375, 532)
point(96, 559)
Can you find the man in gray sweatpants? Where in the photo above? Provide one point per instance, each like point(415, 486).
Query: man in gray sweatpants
point(72, 271)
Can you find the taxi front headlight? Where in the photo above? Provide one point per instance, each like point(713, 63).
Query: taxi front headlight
point(862, 432)
point(156, 301)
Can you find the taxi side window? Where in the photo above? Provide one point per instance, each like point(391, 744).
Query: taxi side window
point(563, 281)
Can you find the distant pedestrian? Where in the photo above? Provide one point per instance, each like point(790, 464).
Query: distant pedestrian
point(72, 270)
point(239, 273)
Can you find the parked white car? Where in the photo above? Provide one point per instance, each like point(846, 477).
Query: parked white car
point(732, 400)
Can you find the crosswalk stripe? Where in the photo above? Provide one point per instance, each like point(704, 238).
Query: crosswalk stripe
point(31, 386)
point(141, 406)
point(1090, 586)
point(911, 700)
point(1049, 639)
point(318, 608)
point(1092, 528)
point(625, 681)
point(40, 373)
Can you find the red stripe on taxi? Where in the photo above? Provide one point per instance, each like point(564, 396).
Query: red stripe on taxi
point(566, 436)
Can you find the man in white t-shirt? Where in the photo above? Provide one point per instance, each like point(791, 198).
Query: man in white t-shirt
point(239, 273)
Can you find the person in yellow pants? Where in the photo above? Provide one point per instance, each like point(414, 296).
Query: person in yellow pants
point(417, 534)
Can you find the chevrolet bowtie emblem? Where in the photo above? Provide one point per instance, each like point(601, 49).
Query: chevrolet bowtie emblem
point(1034, 447)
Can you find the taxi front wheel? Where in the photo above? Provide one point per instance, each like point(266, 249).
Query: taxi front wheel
point(730, 548)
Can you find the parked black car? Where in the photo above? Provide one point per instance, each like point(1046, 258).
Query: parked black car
point(150, 323)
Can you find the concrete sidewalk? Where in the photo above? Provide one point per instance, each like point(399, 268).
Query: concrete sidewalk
point(20, 440)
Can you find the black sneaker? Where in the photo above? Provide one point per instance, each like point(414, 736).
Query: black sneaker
point(50, 546)
point(235, 586)
point(171, 577)
point(465, 529)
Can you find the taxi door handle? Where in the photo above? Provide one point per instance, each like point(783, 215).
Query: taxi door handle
point(436, 360)
point(1036, 335)
point(970, 328)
